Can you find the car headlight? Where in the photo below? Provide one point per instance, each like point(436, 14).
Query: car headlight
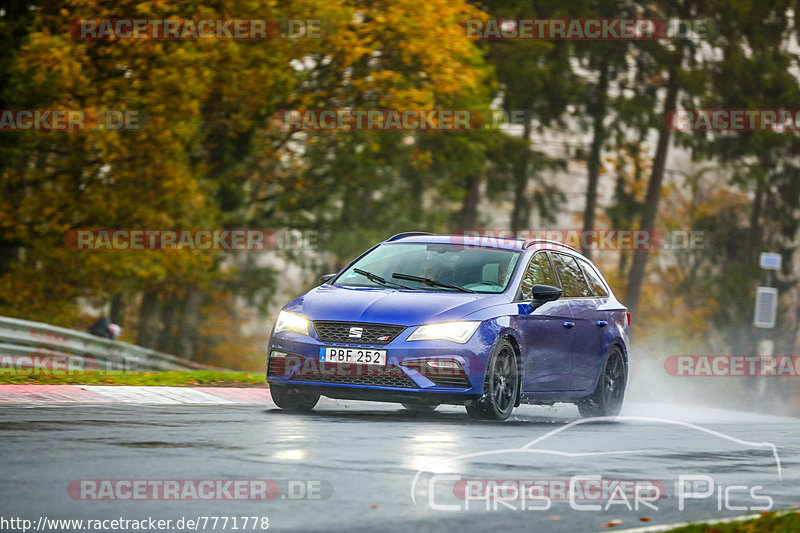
point(459, 332)
point(291, 322)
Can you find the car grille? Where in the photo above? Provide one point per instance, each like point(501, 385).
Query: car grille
point(441, 377)
point(455, 382)
point(276, 366)
point(354, 374)
point(370, 333)
point(280, 365)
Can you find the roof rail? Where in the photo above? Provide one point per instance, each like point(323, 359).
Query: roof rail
point(407, 234)
point(529, 242)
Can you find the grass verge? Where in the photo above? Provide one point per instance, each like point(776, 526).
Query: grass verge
point(766, 523)
point(206, 378)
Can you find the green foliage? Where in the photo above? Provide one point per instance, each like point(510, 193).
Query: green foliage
point(766, 523)
point(205, 378)
point(209, 155)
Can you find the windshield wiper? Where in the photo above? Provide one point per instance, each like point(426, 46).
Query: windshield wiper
point(432, 282)
point(377, 279)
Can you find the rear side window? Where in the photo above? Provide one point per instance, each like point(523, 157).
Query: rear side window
point(594, 280)
point(571, 276)
point(538, 273)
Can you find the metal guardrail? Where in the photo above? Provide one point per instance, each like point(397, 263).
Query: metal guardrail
point(29, 342)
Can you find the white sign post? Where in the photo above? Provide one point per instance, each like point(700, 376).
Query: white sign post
point(770, 261)
point(766, 307)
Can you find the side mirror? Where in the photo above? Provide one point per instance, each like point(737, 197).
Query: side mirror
point(326, 277)
point(545, 293)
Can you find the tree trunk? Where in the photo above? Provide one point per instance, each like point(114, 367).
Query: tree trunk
point(598, 114)
point(653, 196)
point(186, 341)
point(116, 312)
point(166, 340)
point(147, 332)
point(756, 233)
point(617, 221)
point(468, 217)
point(417, 197)
point(520, 215)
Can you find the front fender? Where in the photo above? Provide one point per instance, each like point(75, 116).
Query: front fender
point(500, 328)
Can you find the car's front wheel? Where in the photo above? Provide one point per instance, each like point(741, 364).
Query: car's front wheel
point(610, 391)
point(501, 386)
point(292, 399)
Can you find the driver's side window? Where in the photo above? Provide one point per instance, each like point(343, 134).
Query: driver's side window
point(539, 273)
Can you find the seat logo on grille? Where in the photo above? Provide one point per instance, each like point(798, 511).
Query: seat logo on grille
point(355, 333)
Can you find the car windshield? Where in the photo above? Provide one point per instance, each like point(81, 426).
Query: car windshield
point(446, 267)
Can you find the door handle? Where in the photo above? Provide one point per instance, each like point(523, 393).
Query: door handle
point(601, 323)
point(568, 324)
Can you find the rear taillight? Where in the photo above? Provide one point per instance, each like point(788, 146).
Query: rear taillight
point(629, 318)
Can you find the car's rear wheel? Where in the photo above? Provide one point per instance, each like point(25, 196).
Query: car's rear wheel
point(420, 407)
point(610, 391)
point(292, 399)
point(501, 387)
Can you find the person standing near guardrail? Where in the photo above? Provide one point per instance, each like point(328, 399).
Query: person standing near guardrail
point(103, 327)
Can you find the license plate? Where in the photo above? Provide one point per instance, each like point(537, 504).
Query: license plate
point(353, 355)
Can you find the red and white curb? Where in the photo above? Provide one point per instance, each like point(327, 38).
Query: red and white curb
point(110, 394)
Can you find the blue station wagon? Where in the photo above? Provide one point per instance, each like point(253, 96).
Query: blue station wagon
point(424, 320)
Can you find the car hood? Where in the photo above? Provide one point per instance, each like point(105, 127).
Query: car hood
point(388, 306)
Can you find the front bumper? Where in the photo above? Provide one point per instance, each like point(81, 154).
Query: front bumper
point(407, 375)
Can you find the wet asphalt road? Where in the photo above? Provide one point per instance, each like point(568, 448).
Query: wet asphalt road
point(365, 457)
